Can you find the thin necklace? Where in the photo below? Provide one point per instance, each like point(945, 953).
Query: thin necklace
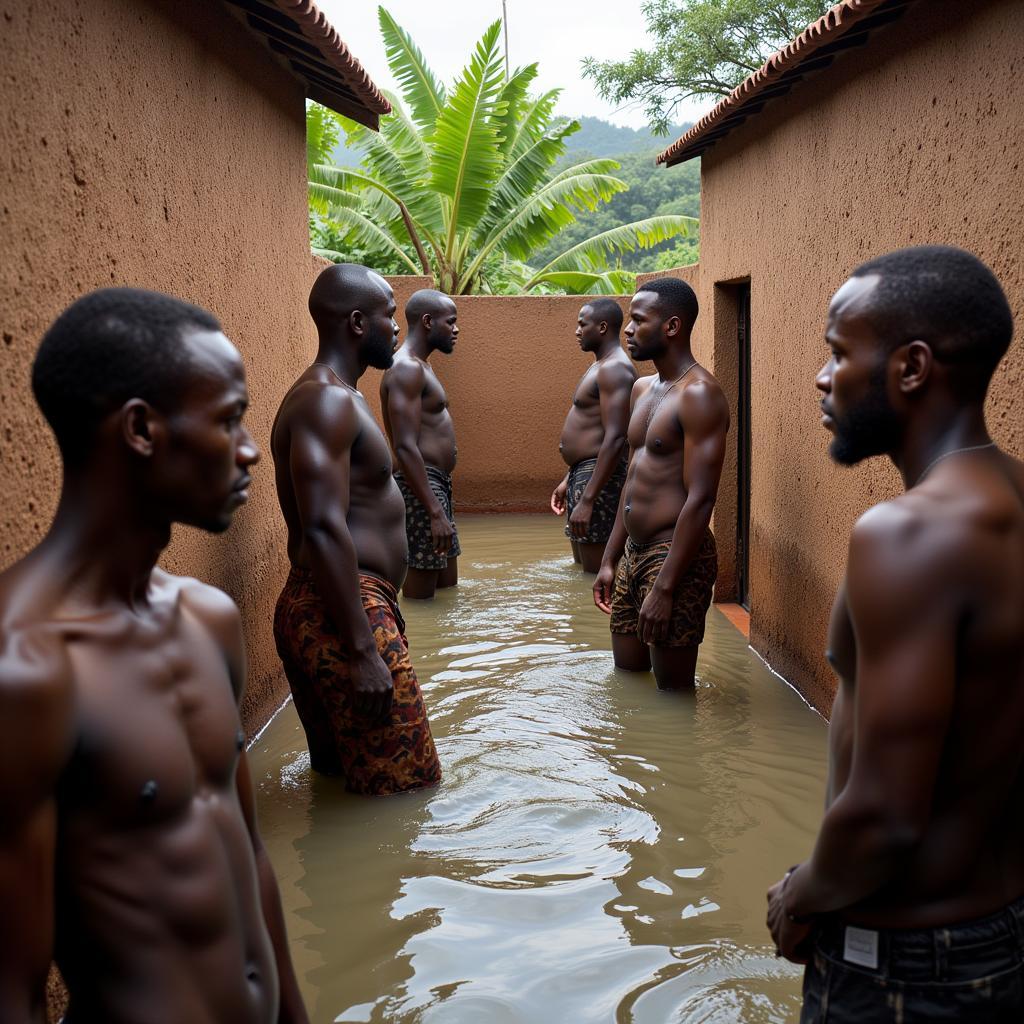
point(945, 455)
point(332, 372)
point(661, 398)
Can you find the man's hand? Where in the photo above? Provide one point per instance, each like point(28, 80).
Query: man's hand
point(558, 498)
point(372, 687)
point(579, 521)
point(603, 585)
point(441, 531)
point(792, 939)
point(655, 613)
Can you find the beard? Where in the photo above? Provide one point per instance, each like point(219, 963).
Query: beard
point(870, 428)
point(378, 348)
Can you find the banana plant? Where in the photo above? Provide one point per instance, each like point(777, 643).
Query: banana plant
point(462, 179)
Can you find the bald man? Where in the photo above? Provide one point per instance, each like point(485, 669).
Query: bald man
point(419, 426)
point(338, 627)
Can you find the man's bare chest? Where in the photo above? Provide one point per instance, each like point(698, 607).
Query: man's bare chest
point(157, 723)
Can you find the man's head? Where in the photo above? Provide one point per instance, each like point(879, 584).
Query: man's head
point(353, 306)
point(432, 315)
point(598, 320)
point(661, 314)
point(140, 378)
point(918, 325)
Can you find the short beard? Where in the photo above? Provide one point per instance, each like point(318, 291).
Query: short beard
point(377, 350)
point(868, 429)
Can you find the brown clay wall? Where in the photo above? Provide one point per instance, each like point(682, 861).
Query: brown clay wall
point(510, 380)
point(915, 138)
point(153, 144)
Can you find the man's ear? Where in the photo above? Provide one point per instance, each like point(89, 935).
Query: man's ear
point(673, 325)
point(427, 322)
point(357, 322)
point(915, 361)
point(140, 426)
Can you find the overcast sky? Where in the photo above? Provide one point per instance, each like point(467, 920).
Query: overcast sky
point(557, 34)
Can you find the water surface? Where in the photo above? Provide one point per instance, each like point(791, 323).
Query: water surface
point(598, 851)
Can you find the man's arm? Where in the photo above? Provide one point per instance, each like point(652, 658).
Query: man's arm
point(222, 617)
point(292, 1009)
point(320, 468)
point(35, 710)
point(704, 417)
point(605, 580)
point(903, 697)
point(614, 385)
point(405, 411)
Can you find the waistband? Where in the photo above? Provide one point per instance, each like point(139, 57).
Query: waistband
point(368, 581)
point(927, 944)
point(632, 548)
point(589, 463)
point(433, 473)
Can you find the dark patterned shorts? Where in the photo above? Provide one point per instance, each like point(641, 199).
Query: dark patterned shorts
point(637, 572)
point(606, 505)
point(417, 521)
point(375, 759)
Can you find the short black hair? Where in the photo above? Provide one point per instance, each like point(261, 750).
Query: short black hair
point(106, 348)
point(943, 296)
point(676, 298)
point(608, 310)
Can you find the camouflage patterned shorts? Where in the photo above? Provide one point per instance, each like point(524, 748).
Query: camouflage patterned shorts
point(637, 572)
point(417, 521)
point(606, 505)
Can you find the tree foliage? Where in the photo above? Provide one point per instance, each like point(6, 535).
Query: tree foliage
point(461, 183)
point(703, 48)
point(653, 191)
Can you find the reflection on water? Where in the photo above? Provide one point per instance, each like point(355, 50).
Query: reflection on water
point(598, 851)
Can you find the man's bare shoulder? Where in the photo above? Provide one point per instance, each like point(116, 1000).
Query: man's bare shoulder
point(615, 374)
point(913, 544)
point(317, 408)
point(702, 402)
point(37, 701)
point(209, 606)
point(406, 373)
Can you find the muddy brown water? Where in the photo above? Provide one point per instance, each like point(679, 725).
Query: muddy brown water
point(598, 851)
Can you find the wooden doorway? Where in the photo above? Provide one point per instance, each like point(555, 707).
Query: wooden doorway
point(743, 438)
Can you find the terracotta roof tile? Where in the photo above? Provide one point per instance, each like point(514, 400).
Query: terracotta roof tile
point(298, 33)
point(814, 48)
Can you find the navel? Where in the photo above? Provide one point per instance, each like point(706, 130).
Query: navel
point(149, 791)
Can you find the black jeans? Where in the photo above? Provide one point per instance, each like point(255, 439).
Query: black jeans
point(972, 973)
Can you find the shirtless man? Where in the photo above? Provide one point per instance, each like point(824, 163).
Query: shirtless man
point(911, 906)
point(593, 442)
point(121, 686)
point(338, 627)
point(420, 429)
point(661, 593)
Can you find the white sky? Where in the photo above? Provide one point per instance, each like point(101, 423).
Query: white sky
point(557, 34)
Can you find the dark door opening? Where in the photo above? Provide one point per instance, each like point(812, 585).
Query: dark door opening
point(743, 447)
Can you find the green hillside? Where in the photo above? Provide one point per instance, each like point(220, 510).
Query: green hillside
point(653, 190)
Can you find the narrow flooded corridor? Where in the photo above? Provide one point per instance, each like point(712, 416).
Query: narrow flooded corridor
point(599, 851)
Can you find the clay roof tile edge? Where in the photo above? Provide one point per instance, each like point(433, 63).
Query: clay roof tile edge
point(834, 22)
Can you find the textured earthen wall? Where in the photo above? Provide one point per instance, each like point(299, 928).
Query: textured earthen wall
point(510, 381)
point(153, 144)
point(915, 138)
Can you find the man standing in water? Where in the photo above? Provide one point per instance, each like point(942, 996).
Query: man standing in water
point(593, 443)
point(911, 906)
point(338, 627)
point(121, 684)
point(420, 429)
point(661, 593)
